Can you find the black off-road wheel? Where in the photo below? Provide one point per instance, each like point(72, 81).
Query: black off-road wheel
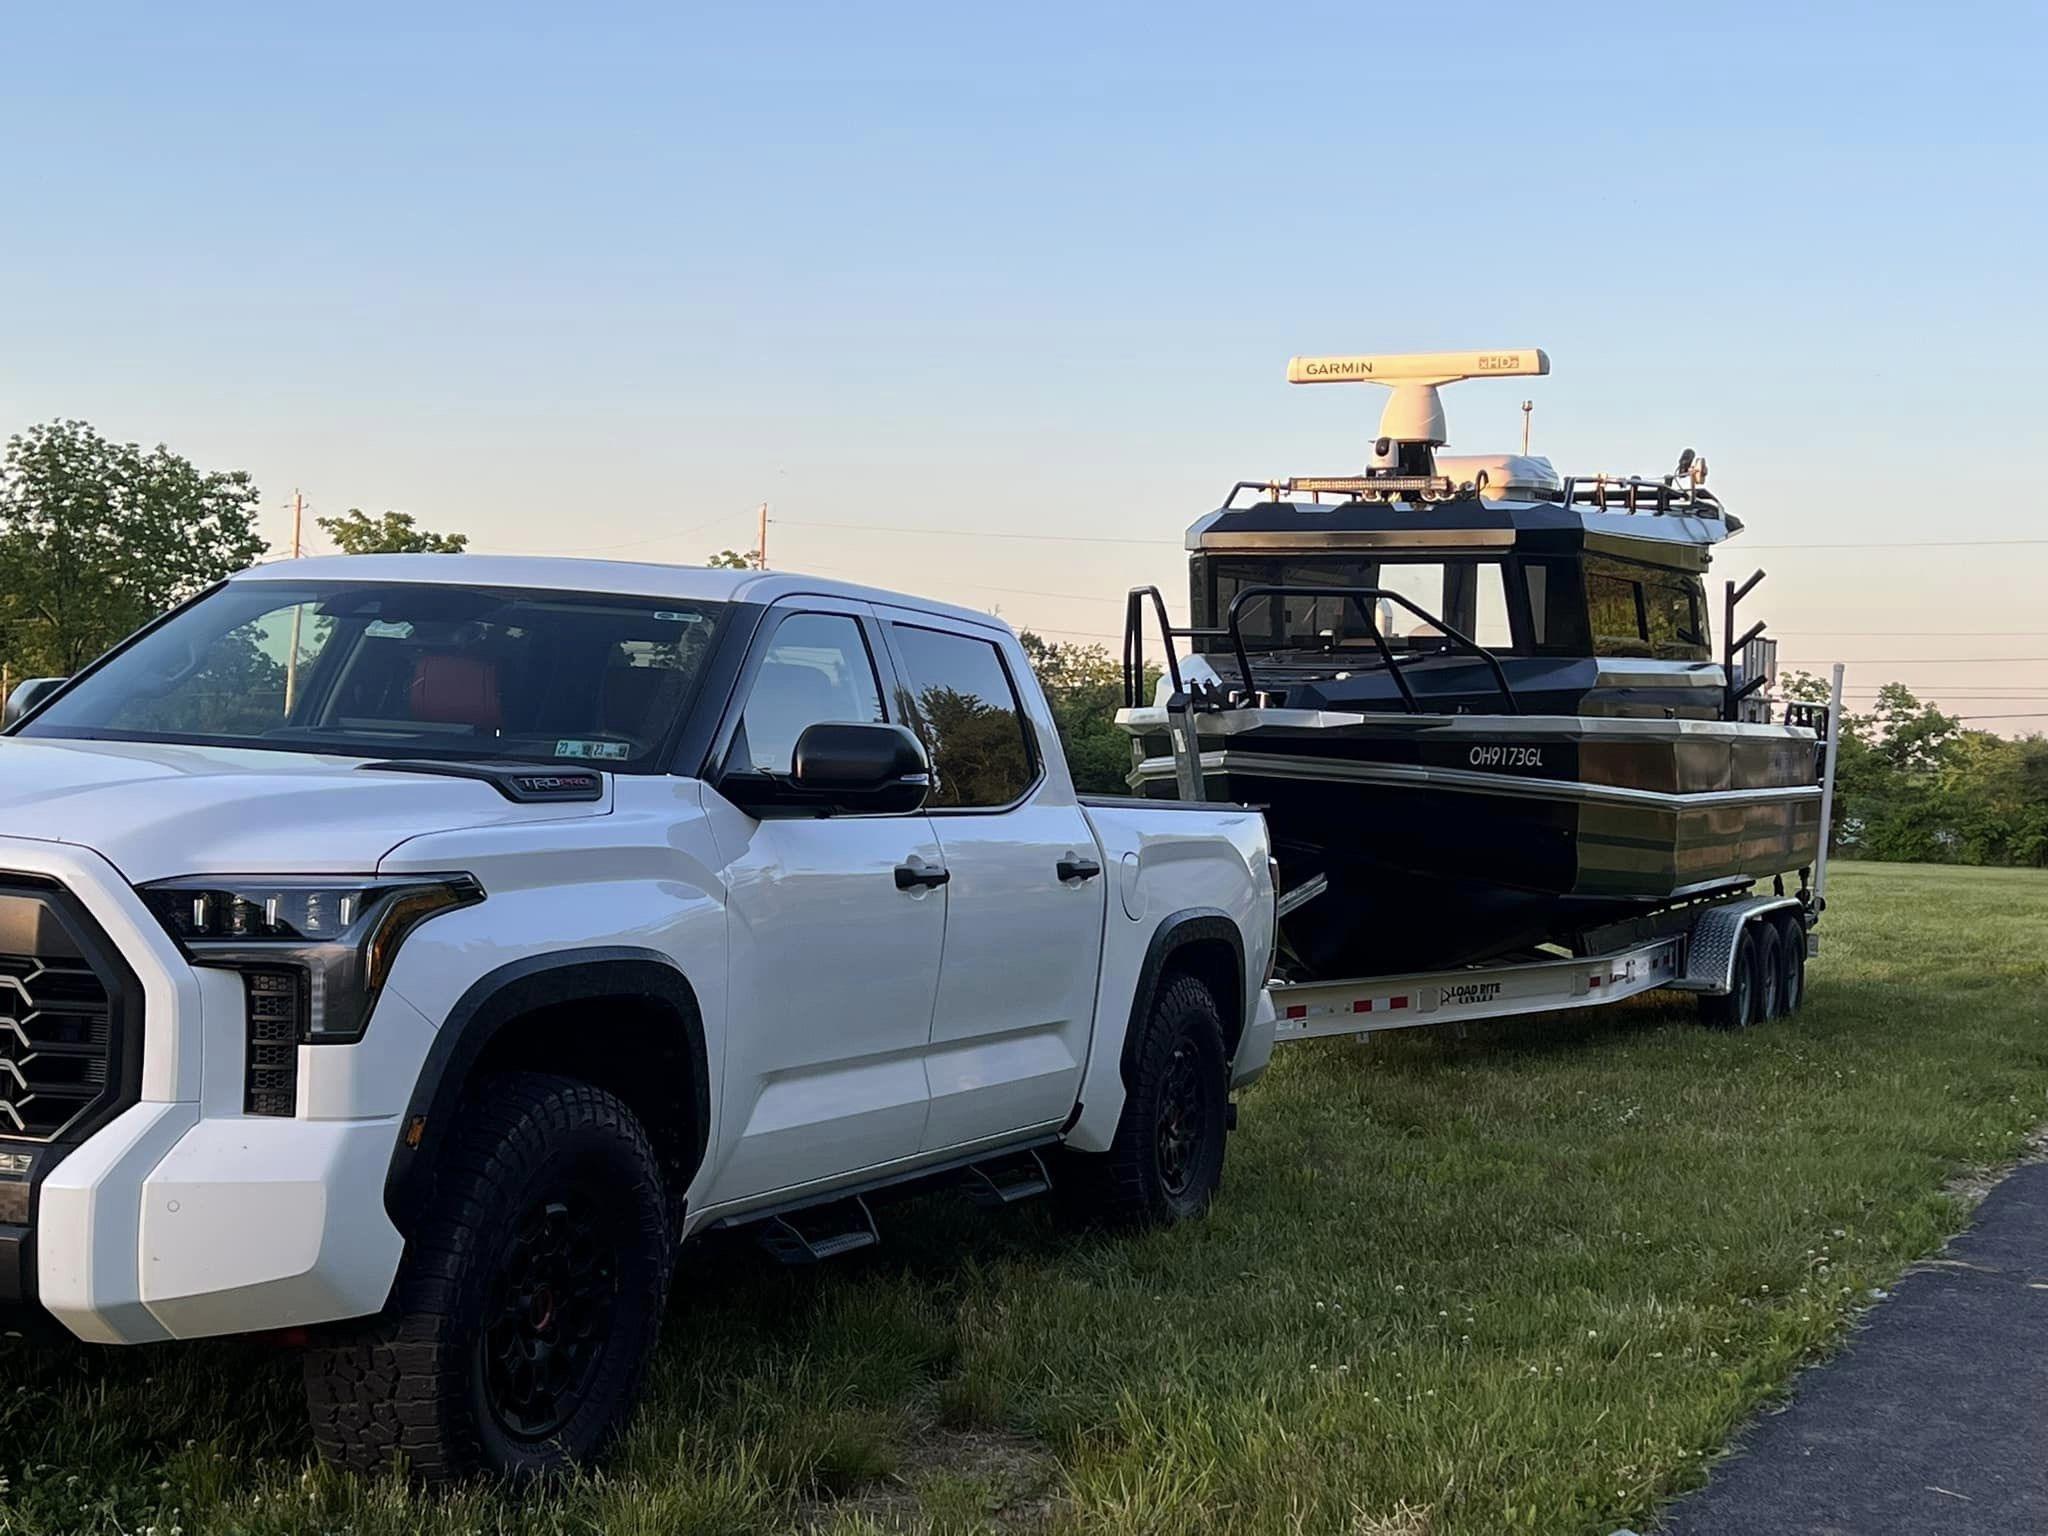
point(1166, 1162)
point(528, 1303)
point(1737, 1009)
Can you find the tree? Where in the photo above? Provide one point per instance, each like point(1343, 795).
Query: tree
point(97, 538)
point(393, 533)
point(1912, 783)
point(733, 560)
point(1084, 685)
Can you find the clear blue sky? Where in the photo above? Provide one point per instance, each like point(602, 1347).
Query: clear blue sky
point(573, 277)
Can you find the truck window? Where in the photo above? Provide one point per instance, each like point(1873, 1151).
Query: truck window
point(403, 670)
point(817, 668)
point(966, 708)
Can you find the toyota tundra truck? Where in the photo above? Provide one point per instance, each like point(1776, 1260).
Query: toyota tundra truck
point(411, 954)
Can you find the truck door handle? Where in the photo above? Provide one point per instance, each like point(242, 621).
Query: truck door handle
point(909, 876)
point(1078, 869)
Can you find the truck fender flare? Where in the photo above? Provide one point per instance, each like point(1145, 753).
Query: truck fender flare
point(1176, 931)
point(509, 992)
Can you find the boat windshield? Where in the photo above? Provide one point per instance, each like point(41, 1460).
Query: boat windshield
point(1467, 593)
point(402, 670)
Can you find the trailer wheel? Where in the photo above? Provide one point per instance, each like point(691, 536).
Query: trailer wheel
point(1770, 970)
point(1736, 1008)
point(1791, 964)
point(1166, 1162)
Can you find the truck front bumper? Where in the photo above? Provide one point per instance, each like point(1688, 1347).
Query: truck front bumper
point(166, 1225)
point(174, 1214)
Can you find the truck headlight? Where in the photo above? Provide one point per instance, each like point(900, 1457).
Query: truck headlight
point(341, 935)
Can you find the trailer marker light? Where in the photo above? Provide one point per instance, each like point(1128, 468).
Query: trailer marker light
point(1297, 1010)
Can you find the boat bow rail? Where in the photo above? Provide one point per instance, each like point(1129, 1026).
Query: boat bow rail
point(1363, 598)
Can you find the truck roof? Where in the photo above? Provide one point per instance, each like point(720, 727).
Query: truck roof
point(635, 578)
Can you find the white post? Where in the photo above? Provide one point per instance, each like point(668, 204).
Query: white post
point(1827, 786)
point(291, 660)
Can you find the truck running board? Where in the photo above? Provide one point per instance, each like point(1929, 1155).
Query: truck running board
point(1006, 1180)
point(820, 1232)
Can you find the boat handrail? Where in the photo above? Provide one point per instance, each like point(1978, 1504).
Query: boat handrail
point(1666, 496)
point(1363, 597)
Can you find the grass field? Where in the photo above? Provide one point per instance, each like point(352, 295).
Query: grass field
point(1531, 1280)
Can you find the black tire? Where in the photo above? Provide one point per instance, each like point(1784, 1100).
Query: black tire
point(528, 1303)
point(1736, 1009)
point(1770, 949)
point(1791, 964)
point(1166, 1162)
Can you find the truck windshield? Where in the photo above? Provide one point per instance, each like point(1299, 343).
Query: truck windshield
point(404, 670)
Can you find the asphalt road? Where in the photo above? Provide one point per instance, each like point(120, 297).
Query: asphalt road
point(1933, 1422)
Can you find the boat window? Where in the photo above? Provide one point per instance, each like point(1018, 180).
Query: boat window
point(1614, 610)
point(1468, 594)
point(1678, 630)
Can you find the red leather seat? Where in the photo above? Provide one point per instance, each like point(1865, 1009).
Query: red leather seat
point(449, 688)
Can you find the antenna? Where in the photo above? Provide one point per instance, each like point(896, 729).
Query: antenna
point(1412, 426)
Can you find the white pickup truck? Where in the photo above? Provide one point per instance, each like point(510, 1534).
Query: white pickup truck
point(418, 950)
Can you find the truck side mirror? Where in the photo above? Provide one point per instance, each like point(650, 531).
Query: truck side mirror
point(855, 768)
point(28, 693)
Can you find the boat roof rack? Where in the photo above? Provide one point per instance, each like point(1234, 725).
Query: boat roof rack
point(1675, 494)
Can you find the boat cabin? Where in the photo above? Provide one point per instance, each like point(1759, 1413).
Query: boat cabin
point(1588, 593)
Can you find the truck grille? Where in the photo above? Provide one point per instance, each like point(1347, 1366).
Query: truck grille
point(60, 1051)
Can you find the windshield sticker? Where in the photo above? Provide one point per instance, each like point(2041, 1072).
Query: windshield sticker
point(670, 617)
point(610, 750)
point(388, 629)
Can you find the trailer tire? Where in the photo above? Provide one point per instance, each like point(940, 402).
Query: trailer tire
point(1166, 1161)
point(1736, 1008)
point(528, 1304)
point(1770, 949)
point(1791, 964)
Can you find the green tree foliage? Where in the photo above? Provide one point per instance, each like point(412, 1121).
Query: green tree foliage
point(96, 538)
point(391, 533)
point(733, 560)
point(1912, 783)
point(1084, 684)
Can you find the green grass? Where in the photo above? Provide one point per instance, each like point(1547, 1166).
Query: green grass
point(1531, 1280)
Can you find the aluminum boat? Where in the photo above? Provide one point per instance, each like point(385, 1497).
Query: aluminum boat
point(1478, 701)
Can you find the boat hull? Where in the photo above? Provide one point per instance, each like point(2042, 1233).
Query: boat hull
point(1451, 840)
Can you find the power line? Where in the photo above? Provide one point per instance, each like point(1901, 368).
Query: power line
point(1905, 634)
point(976, 533)
point(1906, 544)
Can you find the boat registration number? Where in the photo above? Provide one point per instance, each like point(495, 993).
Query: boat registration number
point(1498, 756)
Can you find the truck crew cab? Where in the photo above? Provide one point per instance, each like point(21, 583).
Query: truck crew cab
point(420, 949)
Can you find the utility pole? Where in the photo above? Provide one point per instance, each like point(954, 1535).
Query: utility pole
point(291, 660)
point(1527, 407)
point(761, 542)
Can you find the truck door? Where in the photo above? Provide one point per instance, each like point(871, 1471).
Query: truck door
point(1016, 997)
point(834, 959)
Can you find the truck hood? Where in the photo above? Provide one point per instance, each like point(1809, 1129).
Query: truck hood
point(156, 811)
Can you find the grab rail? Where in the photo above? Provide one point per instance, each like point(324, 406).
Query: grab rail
point(1362, 597)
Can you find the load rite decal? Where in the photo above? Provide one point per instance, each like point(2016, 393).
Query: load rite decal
point(1471, 992)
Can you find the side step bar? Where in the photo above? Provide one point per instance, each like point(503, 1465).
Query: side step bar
point(1007, 1180)
point(822, 1232)
point(810, 1234)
